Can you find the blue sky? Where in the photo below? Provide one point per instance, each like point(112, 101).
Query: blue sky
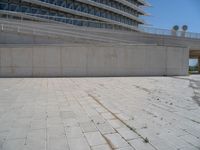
point(193, 62)
point(167, 13)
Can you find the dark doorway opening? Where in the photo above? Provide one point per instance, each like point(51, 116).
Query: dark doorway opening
point(194, 66)
point(194, 62)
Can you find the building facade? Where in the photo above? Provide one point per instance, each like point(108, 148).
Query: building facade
point(120, 14)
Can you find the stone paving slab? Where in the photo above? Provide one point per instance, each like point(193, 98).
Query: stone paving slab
point(126, 113)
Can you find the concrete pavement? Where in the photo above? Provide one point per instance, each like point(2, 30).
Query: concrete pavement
point(127, 113)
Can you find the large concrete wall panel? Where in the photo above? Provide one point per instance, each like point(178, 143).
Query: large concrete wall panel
point(177, 61)
point(46, 61)
point(92, 60)
point(6, 57)
point(155, 60)
point(74, 60)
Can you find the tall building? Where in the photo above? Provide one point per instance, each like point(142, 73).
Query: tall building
point(120, 14)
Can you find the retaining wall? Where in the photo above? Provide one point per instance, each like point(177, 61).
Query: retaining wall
point(92, 60)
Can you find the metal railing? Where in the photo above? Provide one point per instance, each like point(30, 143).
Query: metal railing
point(96, 24)
point(166, 32)
point(52, 31)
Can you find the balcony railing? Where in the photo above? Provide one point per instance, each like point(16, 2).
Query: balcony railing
point(60, 20)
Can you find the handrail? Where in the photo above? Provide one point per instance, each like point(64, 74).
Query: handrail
point(166, 32)
point(100, 24)
point(52, 32)
point(41, 32)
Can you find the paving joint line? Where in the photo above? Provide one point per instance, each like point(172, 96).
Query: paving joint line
point(131, 128)
point(107, 141)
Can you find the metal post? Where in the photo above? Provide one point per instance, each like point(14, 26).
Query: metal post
point(1, 27)
point(199, 64)
point(33, 31)
point(18, 29)
point(21, 18)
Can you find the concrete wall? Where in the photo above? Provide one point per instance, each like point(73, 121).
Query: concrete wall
point(92, 60)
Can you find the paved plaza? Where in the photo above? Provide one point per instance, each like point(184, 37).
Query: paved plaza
point(126, 113)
